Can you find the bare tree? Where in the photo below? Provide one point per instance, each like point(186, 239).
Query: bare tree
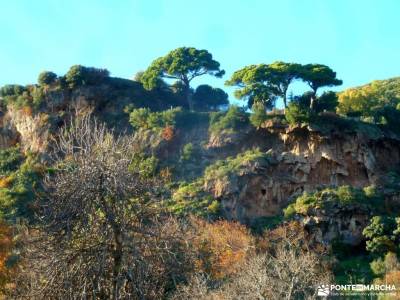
point(288, 273)
point(103, 235)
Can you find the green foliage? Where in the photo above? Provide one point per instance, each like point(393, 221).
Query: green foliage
point(353, 269)
point(234, 119)
point(297, 114)
point(382, 266)
point(183, 64)
point(208, 98)
point(317, 76)
point(264, 83)
point(19, 184)
point(328, 101)
point(383, 234)
point(190, 198)
point(232, 165)
point(189, 152)
point(144, 166)
point(10, 160)
point(19, 96)
point(388, 116)
point(300, 109)
point(378, 267)
point(145, 118)
point(46, 78)
point(343, 195)
point(79, 75)
point(259, 115)
point(253, 83)
point(366, 100)
point(12, 90)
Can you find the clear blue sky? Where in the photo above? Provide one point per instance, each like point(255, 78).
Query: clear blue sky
point(360, 39)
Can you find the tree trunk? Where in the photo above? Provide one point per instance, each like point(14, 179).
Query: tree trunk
point(313, 100)
point(188, 94)
point(284, 98)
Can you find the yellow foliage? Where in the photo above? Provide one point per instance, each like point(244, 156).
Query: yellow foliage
point(222, 247)
point(27, 111)
point(365, 99)
point(5, 182)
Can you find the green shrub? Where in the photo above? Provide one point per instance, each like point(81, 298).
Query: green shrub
point(38, 96)
point(145, 166)
point(189, 152)
point(383, 234)
point(353, 268)
point(12, 90)
point(259, 115)
point(20, 184)
point(79, 75)
point(231, 165)
point(378, 267)
point(145, 118)
point(328, 101)
point(18, 96)
point(206, 97)
point(368, 99)
point(343, 195)
point(296, 114)
point(190, 199)
point(10, 160)
point(46, 78)
point(139, 118)
point(231, 120)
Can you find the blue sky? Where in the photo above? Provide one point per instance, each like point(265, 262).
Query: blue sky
point(359, 39)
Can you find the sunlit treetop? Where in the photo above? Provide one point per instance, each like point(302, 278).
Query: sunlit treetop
point(317, 76)
point(183, 64)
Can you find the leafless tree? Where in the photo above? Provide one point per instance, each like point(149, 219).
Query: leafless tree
point(103, 235)
point(288, 273)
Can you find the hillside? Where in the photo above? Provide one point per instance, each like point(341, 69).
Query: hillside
point(212, 187)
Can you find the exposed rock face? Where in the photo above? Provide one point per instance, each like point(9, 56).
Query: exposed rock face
point(304, 160)
point(32, 130)
point(344, 223)
point(107, 100)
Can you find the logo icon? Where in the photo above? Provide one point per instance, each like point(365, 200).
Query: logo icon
point(323, 290)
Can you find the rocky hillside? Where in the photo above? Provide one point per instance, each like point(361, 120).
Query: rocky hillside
point(330, 179)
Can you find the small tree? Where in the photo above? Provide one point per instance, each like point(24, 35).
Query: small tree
point(264, 83)
point(259, 115)
point(208, 97)
point(79, 75)
point(253, 85)
point(12, 90)
point(383, 234)
point(296, 113)
point(46, 78)
point(317, 76)
point(328, 101)
point(182, 64)
point(281, 76)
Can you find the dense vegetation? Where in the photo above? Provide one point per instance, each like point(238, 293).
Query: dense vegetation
point(119, 204)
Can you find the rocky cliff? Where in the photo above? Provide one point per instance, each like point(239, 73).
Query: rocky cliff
point(303, 158)
point(289, 160)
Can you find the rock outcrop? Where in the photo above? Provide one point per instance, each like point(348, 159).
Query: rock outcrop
point(305, 159)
